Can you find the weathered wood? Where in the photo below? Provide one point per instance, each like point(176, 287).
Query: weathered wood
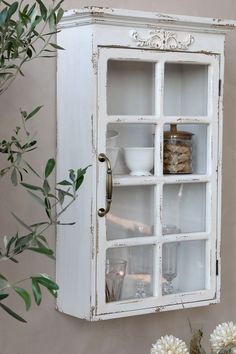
point(177, 62)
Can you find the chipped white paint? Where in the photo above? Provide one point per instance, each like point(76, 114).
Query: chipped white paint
point(98, 40)
point(130, 18)
point(164, 40)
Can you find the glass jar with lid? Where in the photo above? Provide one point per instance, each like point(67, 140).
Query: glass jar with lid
point(177, 151)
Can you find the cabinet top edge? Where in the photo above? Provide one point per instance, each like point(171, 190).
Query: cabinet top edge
point(104, 15)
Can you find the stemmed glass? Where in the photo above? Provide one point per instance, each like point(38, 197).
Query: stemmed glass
point(169, 266)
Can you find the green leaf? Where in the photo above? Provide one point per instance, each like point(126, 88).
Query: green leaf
point(49, 167)
point(46, 281)
point(79, 182)
point(72, 175)
point(53, 292)
point(12, 9)
point(24, 295)
point(18, 158)
point(32, 187)
point(56, 46)
point(58, 5)
point(65, 183)
point(61, 197)
point(36, 291)
point(81, 172)
point(22, 223)
point(60, 13)
point(43, 9)
point(52, 22)
point(52, 196)
point(11, 242)
point(23, 242)
point(5, 2)
point(47, 203)
point(35, 21)
point(2, 277)
point(14, 177)
point(39, 224)
point(46, 251)
point(33, 113)
point(3, 296)
point(3, 17)
point(29, 52)
point(46, 187)
point(12, 313)
point(65, 192)
point(43, 238)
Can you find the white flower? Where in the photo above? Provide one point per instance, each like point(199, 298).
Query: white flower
point(169, 345)
point(223, 335)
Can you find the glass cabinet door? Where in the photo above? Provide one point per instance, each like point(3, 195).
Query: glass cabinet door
point(157, 178)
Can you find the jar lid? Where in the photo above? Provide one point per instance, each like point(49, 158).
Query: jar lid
point(176, 134)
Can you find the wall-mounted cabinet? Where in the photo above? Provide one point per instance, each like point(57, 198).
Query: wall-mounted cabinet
point(144, 108)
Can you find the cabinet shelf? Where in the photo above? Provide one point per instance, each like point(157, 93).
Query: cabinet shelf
point(159, 119)
point(126, 180)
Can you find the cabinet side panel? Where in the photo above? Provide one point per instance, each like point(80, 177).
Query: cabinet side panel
point(75, 97)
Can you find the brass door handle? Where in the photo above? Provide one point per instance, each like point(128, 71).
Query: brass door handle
point(103, 158)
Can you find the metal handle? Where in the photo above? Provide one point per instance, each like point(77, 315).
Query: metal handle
point(102, 212)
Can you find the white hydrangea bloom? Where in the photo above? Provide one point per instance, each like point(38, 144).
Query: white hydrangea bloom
point(223, 335)
point(169, 345)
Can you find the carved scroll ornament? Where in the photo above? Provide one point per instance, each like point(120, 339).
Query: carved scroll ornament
point(160, 39)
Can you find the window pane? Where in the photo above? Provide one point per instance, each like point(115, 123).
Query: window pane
point(131, 214)
point(136, 281)
point(184, 206)
point(183, 267)
point(130, 87)
point(186, 89)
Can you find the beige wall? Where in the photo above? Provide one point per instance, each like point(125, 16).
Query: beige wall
point(51, 332)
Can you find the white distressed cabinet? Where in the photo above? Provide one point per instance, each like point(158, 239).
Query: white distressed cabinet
point(134, 74)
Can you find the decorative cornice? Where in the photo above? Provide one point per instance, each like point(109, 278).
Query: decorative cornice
point(160, 39)
point(142, 19)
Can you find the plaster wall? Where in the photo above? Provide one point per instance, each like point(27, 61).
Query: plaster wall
point(51, 332)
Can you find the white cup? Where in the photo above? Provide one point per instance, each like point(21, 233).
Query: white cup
point(139, 160)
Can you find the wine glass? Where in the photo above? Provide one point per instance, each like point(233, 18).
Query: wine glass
point(169, 266)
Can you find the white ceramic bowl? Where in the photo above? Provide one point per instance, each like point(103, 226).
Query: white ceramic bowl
point(112, 154)
point(111, 138)
point(139, 161)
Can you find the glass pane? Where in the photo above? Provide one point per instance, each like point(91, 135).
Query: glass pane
point(131, 213)
point(183, 266)
point(130, 148)
point(186, 89)
point(185, 148)
point(136, 280)
point(130, 87)
point(184, 206)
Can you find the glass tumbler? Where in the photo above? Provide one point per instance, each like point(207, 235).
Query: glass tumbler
point(115, 273)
